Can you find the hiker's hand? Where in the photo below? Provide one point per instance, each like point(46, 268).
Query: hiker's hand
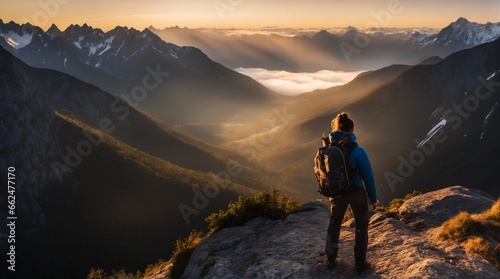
point(374, 204)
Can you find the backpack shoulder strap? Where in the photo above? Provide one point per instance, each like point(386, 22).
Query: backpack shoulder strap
point(351, 145)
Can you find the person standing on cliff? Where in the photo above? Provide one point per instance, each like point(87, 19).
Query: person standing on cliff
point(357, 197)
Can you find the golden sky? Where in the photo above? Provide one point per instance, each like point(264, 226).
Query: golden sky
point(106, 14)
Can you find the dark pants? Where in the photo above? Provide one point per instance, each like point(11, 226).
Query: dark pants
point(338, 205)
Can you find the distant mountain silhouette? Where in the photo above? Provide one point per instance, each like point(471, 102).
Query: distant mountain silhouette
point(353, 50)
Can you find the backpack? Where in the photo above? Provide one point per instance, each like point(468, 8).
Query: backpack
point(331, 167)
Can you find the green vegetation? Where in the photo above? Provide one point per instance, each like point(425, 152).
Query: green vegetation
point(391, 210)
point(182, 252)
point(396, 203)
point(97, 273)
point(143, 179)
point(152, 166)
point(270, 204)
point(478, 233)
point(349, 214)
point(156, 267)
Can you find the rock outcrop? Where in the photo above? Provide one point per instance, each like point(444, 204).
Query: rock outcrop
point(294, 248)
point(438, 206)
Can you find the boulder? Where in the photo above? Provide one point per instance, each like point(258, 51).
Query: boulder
point(434, 208)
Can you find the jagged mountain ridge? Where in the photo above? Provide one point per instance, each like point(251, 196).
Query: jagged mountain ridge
point(464, 33)
point(459, 35)
point(123, 59)
point(352, 50)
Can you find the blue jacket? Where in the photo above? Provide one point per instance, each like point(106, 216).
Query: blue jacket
point(358, 159)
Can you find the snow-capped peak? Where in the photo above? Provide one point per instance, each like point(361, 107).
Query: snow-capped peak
point(465, 33)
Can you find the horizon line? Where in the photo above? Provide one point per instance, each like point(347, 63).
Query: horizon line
point(262, 28)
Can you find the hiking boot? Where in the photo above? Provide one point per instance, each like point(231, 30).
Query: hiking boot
point(363, 268)
point(330, 263)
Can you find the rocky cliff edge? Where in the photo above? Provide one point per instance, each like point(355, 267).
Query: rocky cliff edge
point(294, 248)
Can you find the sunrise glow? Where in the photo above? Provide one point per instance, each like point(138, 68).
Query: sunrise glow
point(249, 14)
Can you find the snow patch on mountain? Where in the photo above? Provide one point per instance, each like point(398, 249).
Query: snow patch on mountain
point(97, 45)
point(489, 114)
point(108, 47)
point(432, 132)
point(487, 119)
point(17, 41)
point(92, 50)
point(116, 53)
point(78, 45)
point(493, 75)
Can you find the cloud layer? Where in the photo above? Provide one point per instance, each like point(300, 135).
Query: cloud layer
point(310, 32)
point(291, 84)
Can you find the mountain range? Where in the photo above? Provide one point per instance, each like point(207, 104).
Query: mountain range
point(159, 77)
point(353, 50)
point(124, 142)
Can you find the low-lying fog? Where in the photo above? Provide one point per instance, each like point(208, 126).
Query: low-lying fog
point(291, 84)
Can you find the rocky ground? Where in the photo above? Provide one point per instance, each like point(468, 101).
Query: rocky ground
point(294, 248)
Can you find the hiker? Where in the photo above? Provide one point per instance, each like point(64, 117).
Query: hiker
point(356, 196)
